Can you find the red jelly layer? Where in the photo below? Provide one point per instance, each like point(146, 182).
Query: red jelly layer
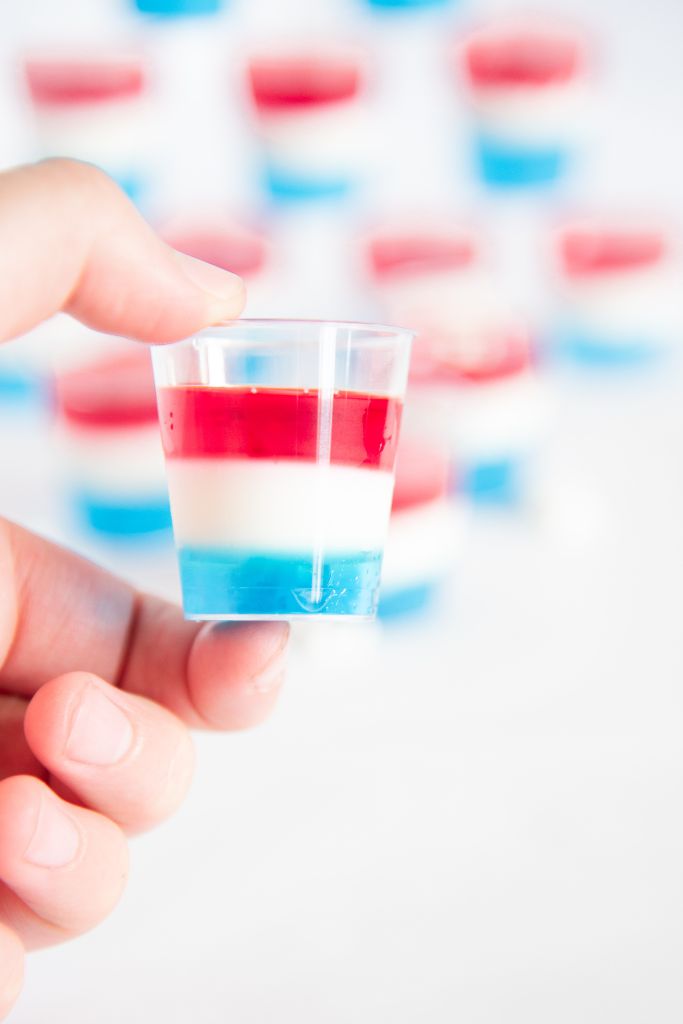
point(114, 392)
point(585, 252)
point(408, 254)
point(268, 423)
point(522, 58)
point(281, 82)
point(61, 82)
point(422, 475)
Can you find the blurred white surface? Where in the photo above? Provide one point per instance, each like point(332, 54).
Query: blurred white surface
point(476, 818)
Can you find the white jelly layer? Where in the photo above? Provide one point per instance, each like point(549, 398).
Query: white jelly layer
point(114, 135)
point(531, 114)
point(480, 421)
point(279, 504)
point(331, 139)
point(635, 303)
point(125, 462)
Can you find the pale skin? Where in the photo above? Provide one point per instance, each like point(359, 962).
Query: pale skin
point(99, 684)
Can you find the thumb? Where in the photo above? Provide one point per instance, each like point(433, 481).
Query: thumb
point(70, 240)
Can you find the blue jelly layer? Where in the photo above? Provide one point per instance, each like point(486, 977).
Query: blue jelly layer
point(495, 482)
point(286, 187)
point(133, 185)
point(19, 386)
point(407, 5)
point(407, 601)
point(178, 8)
point(591, 350)
point(220, 582)
point(504, 165)
point(118, 519)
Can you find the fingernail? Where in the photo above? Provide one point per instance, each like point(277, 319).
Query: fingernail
point(270, 677)
point(225, 289)
point(56, 839)
point(101, 733)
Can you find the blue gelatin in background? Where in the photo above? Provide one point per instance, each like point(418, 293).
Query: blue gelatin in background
point(20, 386)
point(408, 601)
point(496, 482)
point(178, 8)
point(133, 185)
point(222, 582)
point(504, 165)
point(407, 5)
point(123, 520)
point(285, 187)
point(590, 350)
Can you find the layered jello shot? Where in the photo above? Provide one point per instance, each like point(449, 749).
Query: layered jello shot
point(94, 107)
point(426, 530)
point(618, 293)
point(108, 435)
point(433, 279)
point(491, 411)
point(310, 111)
point(281, 485)
point(527, 85)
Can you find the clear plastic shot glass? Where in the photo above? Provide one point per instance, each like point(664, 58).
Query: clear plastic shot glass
point(280, 438)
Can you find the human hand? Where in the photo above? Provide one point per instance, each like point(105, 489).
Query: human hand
point(97, 682)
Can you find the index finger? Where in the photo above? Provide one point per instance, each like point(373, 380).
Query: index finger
point(70, 240)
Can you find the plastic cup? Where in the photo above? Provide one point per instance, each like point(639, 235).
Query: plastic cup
point(280, 439)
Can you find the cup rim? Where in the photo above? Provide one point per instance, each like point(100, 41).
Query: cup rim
point(402, 333)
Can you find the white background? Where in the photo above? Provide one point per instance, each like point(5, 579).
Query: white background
point(477, 818)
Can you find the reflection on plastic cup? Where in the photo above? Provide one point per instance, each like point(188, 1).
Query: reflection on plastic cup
point(280, 439)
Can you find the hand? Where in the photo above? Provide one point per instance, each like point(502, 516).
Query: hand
point(97, 682)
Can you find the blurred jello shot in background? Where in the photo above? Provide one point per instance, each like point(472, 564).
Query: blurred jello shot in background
point(432, 279)
point(281, 492)
point(108, 434)
point(486, 401)
point(94, 106)
point(528, 86)
point(177, 8)
point(619, 293)
point(426, 530)
point(311, 119)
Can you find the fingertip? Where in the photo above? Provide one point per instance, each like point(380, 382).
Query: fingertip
point(225, 294)
point(235, 671)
